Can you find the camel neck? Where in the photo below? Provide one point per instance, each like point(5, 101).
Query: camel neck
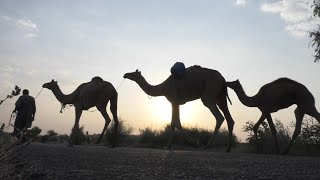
point(152, 90)
point(64, 99)
point(245, 99)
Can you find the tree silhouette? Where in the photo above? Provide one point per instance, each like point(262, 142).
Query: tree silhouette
point(14, 92)
point(315, 35)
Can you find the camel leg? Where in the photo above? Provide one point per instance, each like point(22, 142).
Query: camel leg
point(175, 123)
point(192, 141)
point(256, 127)
point(299, 117)
point(114, 109)
point(172, 129)
point(174, 117)
point(78, 112)
point(78, 115)
point(209, 98)
point(219, 120)
point(107, 121)
point(116, 123)
point(273, 132)
point(224, 108)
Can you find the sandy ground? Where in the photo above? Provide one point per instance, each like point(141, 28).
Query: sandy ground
point(57, 161)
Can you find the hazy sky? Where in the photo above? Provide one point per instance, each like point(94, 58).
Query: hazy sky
point(256, 41)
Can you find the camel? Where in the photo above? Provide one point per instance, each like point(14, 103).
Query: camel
point(96, 93)
point(207, 84)
point(279, 94)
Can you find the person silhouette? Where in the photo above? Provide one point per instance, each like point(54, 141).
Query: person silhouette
point(25, 108)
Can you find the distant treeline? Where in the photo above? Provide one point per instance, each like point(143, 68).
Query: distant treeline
point(308, 141)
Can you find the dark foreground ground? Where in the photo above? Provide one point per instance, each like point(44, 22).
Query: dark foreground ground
point(57, 161)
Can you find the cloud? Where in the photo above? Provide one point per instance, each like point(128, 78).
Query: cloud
point(27, 25)
point(241, 2)
point(6, 18)
point(295, 13)
point(31, 35)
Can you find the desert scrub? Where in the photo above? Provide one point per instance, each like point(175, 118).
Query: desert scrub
point(123, 133)
point(160, 138)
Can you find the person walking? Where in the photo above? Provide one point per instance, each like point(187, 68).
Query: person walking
point(25, 108)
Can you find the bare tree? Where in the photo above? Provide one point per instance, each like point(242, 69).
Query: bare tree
point(315, 35)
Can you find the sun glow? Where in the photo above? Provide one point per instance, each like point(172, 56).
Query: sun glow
point(162, 109)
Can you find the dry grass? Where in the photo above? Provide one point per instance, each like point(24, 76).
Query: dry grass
point(13, 161)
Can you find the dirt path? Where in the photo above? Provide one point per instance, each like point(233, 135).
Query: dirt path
point(57, 161)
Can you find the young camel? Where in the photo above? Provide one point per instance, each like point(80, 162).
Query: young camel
point(96, 93)
point(198, 82)
point(279, 94)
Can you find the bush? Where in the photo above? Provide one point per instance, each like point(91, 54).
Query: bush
point(264, 142)
point(161, 138)
point(154, 138)
point(77, 136)
point(33, 132)
point(51, 136)
point(123, 133)
point(310, 133)
point(63, 138)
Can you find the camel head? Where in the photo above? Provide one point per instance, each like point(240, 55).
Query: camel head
point(134, 76)
point(235, 85)
point(50, 85)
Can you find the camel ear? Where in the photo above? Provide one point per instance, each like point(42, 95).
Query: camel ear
point(52, 80)
point(137, 70)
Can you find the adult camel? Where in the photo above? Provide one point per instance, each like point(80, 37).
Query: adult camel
point(279, 94)
point(207, 84)
point(96, 93)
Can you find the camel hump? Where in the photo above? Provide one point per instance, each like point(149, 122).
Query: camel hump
point(285, 80)
point(196, 66)
point(96, 79)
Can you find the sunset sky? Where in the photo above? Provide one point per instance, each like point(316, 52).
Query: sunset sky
point(256, 41)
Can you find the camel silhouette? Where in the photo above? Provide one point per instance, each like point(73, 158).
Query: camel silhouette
point(96, 93)
point(197, 82)
point(279, 94)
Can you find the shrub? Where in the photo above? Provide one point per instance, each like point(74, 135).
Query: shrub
point(310, 133)
point(33, 132)
point(160, 138)
point(63, 138)
point(154, 138)
point(52, 133)
point(123, 132)
point(264, 142)
point(51, 136)
point(77, 136)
